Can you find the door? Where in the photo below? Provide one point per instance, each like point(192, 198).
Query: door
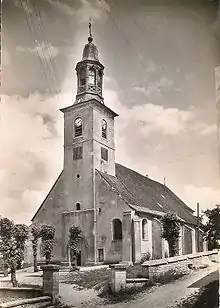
point(78, 259)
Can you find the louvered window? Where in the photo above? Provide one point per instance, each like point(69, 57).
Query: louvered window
point(77, 153)
point(104, 154)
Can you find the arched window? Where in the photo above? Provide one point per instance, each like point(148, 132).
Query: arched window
point(82, 76)
point(100, 78)
point(117, 230)
point(78, 206)
point(144, 230)
point(104, 129)
point(78, 127)
point(92, 76)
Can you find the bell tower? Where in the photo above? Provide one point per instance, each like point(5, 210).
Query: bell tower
point(89, 73)
point(89, 143)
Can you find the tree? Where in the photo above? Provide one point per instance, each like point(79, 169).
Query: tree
point(171, 232)
point(47, 234)
point(212, 227)
point(75, 235)
point(35, 230)
point(12, 245)
point(20, 232)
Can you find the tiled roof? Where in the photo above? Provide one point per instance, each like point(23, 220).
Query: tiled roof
point(143, 192)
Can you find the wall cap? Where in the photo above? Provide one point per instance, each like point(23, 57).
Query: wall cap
point(50, 267)
point(118, 266)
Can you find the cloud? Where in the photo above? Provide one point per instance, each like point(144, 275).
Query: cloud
point(96, 9)
point(62, 7)
point(207, 196)
point(43, 50)
point(154, 89)
point(31, 136)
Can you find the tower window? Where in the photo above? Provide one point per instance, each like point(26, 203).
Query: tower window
point(78, 127)
point(100, 78)
point(104, 129)
point(77, 153)
point(92, 76)
point(117, 230)
point(78, 206)
point(82, 77)
point(104, 154)
point(144, 230)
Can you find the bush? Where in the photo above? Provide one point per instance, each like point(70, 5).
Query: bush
point(145, 257)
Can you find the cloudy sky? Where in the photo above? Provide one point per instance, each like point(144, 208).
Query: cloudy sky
point(160, 59)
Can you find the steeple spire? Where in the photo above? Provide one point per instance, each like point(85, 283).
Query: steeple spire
point(89, 72)
point(90, 38)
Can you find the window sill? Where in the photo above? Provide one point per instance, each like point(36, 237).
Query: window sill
point(116, 241)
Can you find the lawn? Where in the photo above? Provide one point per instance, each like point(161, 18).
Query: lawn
point(88, 279)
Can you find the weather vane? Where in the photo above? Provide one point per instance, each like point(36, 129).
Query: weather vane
point(90, 27)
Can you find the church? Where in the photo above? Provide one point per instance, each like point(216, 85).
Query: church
point(117, 209)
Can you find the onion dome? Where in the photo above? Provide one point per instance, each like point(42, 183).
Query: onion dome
point(90, 51)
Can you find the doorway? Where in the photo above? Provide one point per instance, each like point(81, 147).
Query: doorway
point(78, 259)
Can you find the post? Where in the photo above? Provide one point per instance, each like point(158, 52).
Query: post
point(118, 277)
point(51, 281)
point(137, 239)
point(198, 223)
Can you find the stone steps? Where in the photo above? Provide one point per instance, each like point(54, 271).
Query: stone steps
point(43, 301)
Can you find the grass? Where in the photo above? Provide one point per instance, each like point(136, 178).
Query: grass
point(88, 279)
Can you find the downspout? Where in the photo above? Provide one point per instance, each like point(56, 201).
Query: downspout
point(94, 217)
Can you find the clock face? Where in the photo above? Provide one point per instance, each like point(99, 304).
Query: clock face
point(78, 122)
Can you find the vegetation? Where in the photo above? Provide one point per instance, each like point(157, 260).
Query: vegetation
point(171, 232)
point(47, 234)
point(12, 245)
point(21, 235)
point(35, 231)
point(212, 229)
point(75, 235)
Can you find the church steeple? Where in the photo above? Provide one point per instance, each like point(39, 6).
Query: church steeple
point(89, 73)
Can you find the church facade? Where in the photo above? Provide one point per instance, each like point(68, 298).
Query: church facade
point(117, 209)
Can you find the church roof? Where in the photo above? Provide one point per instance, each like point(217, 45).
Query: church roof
point(144, 194)
point(141, 194)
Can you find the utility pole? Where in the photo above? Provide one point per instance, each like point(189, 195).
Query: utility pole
point(198, 223)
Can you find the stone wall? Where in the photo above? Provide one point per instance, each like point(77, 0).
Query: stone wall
point(153, 269)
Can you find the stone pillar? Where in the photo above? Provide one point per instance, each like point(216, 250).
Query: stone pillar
point(205, 245)
point(137, 239)
point(193, 240)
point(180, 242)
point(127, 238)
point(51, 281)
point(118, 277)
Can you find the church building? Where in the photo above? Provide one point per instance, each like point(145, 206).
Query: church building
point(117, 209)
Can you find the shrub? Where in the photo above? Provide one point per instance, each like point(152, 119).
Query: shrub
point(171, 232)
point(47, 234)
point(145, 257)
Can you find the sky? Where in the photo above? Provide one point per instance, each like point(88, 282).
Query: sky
point(159, 58)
